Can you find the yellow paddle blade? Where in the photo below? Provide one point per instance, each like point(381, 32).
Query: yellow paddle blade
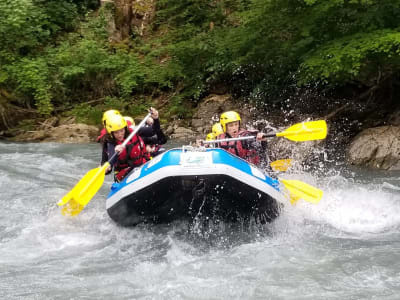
point(306, 131)
point(71, 209)
point(294, 199)
point(302, 190)
point(281, 165)
point(83, 191)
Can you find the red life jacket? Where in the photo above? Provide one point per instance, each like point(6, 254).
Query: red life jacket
point(236, 148)
point(134, 154)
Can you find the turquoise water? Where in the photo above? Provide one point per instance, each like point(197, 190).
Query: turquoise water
point(346, 247)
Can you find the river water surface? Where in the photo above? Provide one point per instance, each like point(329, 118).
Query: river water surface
point(346, 247)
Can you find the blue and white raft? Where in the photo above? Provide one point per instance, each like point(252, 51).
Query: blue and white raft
point(187, 183)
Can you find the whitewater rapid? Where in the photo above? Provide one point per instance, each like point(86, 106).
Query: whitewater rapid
point(346, 247)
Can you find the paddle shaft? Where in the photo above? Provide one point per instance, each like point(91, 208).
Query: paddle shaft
point(239, 138)
point(230, 139)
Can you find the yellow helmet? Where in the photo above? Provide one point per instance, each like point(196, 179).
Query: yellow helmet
point(114, 123)
point(228, 117)
point(108, 114)
point(211, 136)
point(130, 119)
point(217, 129)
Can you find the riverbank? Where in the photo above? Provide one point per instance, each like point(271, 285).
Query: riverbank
point(358, 134)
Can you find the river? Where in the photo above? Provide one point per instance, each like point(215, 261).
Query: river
point(346, 247)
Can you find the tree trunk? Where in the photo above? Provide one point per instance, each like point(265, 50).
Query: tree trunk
point(123, 17)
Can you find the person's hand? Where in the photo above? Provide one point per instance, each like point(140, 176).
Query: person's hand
point(154, 113)
point(108, 170)
point(150, 121)
point(259, 136)
point(119, 148)
point(150, 148)
point(199, 143)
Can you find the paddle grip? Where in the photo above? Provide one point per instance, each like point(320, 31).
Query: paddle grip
point(269, 135)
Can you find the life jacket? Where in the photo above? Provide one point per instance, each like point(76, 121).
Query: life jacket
point(236, 148)
point(134, 154)
point(103, 131)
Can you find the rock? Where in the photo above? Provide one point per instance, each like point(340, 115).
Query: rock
point(183, 133)
point(67, 121)
point(196, 123)
point(73, 133)
point(169, 130)
point(49, 123)
point(209, 110)
point(377, 147)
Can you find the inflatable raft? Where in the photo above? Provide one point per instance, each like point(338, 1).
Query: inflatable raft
point(186, 183)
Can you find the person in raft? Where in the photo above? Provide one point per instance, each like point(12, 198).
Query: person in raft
point(247, 149)
point(131, 156)
point(154, 143)
point(144, 132)
point(151, 134)
point(216, 130)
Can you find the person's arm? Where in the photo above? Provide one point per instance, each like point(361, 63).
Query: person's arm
point(156, 125)
point(249, 144)
point(111, 151)
point(146, 131)
point(157, 138)
point(104, 154)
point(150, 140)
point(161, 138)
point(254, 143)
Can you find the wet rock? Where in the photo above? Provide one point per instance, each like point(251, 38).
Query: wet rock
point(377, 147)
point(73, 133)
point(209, 110)
point(183, 133)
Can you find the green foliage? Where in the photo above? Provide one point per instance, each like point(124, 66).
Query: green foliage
point(84, 113)
point(138, 107)
point(21, 28)
point(131, 78)
point(178, 108)
point(55, 53)
point(32, 78)
point(360, 57)
point(26, 125)
point(114, 103)
point(262, 48)
point(26, 27)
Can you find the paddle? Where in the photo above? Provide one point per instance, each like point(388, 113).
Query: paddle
point(281, 165)
point(300, 132)
point(306, 131)
point(88, 186)
point(301, 190)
